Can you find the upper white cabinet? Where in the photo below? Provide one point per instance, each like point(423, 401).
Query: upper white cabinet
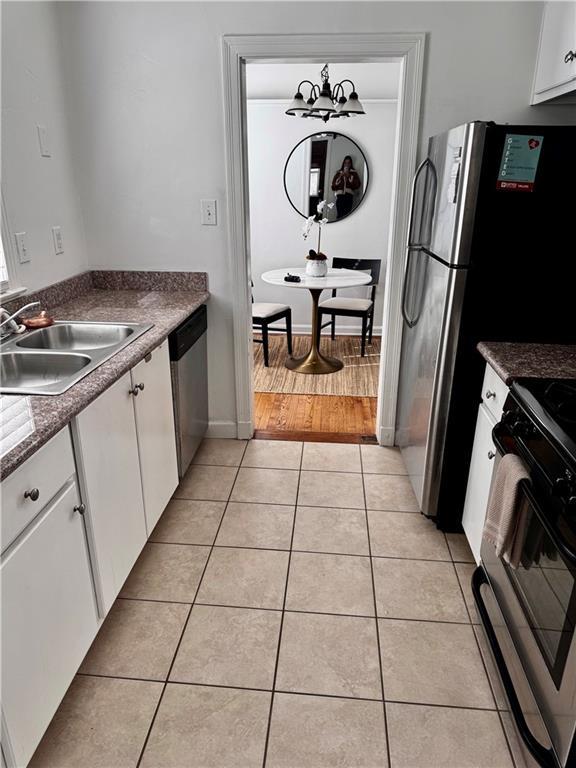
point(107, 453)
point(152, 388)
point(556, 64)
point(49, 619)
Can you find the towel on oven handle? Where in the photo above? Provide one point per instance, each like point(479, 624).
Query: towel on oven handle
point(506, 517)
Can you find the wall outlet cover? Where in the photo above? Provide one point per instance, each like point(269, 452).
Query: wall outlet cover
point(43, 141)
point(208, 212)
point(57, 240)
point(21, 249)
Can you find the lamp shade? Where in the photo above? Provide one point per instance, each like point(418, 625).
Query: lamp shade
point(323, 104)
point(353, 106)
point(297, 105)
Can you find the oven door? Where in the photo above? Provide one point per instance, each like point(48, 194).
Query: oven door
point(538, 603)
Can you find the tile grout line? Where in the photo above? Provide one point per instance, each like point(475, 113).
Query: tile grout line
point(378, 649)
point(165, 685)
point(281, 628)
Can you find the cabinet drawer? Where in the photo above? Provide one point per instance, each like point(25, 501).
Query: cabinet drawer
point(494, 392)
point(45, 472)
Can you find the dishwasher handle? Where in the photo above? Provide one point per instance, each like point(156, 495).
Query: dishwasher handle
point(188, 333)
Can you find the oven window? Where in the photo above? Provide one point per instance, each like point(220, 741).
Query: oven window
point(546, 589)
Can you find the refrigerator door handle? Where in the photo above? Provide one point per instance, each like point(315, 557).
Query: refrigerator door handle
point(428, 205)
point(407, 319)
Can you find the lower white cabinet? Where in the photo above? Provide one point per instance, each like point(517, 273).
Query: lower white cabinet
point(106, 449)
point(152, 388)
point(49, 619)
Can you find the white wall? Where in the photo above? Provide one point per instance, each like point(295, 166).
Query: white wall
point(145, 82)
point(39, 192)
point(276, 228)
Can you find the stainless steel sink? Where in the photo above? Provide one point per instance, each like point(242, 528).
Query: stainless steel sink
point(25, 370)
point(50, 360)
point(73, 336)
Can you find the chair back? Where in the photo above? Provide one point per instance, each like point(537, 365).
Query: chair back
point(363, 265)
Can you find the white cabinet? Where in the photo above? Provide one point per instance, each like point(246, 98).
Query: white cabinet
point(152, 387)
point(49, 619)
point(494, 393)
point(479, 481)
point(556, 64)
point(107, 454)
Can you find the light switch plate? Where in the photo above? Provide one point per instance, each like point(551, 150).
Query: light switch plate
point(57, 240)
point(21, 249)
point(43, 141)
point(208, 212)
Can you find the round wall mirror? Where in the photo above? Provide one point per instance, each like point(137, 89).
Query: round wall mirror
point(326, 166)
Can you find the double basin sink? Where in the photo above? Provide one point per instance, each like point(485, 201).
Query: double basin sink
point(50, 360)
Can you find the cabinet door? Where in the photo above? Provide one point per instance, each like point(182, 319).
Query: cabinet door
point(155, 428)
point(107, 456)
point(557, 38)
point(479, 481)
point(49, 619)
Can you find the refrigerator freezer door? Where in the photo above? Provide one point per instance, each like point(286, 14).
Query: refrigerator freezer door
point(428, 353)
point(456, 156)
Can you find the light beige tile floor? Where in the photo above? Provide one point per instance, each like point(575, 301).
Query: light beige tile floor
point(292, 609)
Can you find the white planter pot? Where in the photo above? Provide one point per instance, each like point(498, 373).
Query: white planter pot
point(316, 268)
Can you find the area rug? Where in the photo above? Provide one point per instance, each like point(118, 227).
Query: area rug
point(358, 377)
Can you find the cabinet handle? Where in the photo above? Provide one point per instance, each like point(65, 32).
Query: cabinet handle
point(570, 56)
point(33, 495)
point(491, 455)
point(137, 388)
point(489, 394)
point(80, 508)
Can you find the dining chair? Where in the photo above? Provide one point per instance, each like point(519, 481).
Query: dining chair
point(347, 306)
point(263, 315)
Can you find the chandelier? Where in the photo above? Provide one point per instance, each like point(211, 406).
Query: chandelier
point(325, 102)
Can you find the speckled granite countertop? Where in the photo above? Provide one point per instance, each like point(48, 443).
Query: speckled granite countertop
point(166, 308)
point(532, 361)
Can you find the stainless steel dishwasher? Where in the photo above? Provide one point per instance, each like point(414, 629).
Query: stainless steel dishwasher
point(189, 364)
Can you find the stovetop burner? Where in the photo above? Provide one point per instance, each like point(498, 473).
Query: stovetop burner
point(560, 400)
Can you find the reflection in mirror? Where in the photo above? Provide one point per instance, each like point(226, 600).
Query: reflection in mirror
point(326, 166)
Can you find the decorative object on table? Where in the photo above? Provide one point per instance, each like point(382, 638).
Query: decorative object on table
point(310, 175)
point(263, 315)
point(326, 102)
point(38, 320)
point(316, 261)
point(292, 278)
point(346, 306)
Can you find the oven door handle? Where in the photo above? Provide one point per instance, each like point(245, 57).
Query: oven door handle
point(550, 528)
point(543, 755)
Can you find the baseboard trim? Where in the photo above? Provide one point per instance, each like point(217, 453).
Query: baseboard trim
point(223, 429)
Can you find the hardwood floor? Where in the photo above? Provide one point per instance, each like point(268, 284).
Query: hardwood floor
point(329, 418)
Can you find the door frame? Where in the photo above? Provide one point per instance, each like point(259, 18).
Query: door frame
point(237, 51)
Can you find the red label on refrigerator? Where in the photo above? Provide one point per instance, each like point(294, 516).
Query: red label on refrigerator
point(517, 186)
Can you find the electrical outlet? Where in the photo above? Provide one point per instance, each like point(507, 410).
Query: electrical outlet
point(43, 141)
point(21, 249)
point(57, 240)
point(208, 212)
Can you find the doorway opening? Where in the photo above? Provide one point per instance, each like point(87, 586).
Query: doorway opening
point(347, 167)
point(238, 51)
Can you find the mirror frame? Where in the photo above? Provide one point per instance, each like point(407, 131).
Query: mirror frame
point(334, 133)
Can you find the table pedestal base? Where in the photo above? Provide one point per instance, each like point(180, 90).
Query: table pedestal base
point(314, 361)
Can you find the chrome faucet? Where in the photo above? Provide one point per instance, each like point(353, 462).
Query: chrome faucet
point(9, 320)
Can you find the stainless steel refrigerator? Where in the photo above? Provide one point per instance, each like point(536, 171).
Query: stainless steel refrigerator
point(489, 257)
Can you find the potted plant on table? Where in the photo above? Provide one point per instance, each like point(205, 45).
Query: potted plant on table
point(316, 261)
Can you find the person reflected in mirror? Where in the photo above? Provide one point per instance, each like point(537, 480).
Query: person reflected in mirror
point(344, 185)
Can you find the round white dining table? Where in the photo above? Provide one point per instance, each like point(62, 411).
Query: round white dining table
point(314, 361)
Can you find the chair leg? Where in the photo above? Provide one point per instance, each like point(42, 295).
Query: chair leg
point(371, 327)
point(333, 328)
point(319, 334)
point(289, 332)
point(265, 343)
point(364, 328)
